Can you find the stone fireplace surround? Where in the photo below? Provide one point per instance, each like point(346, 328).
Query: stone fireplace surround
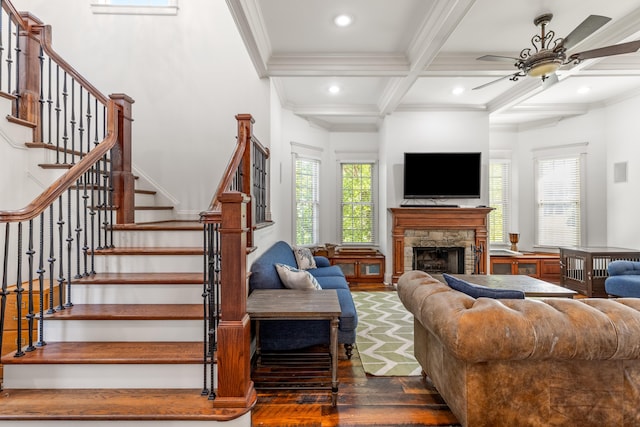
point(444, 227)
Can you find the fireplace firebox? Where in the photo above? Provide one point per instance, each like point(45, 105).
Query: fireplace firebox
point(439, 259)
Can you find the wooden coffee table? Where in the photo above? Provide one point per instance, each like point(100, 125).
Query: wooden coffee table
point(289, 304)
point(531, 286)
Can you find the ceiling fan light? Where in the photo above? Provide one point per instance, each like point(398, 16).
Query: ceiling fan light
point(544, 69)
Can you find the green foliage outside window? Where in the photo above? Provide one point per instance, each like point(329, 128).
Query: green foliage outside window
point(357, 216)
point(498, 182)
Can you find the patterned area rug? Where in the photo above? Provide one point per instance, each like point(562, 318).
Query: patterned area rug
point(385, 334)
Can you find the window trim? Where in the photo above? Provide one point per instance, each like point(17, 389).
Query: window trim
point(103, 7)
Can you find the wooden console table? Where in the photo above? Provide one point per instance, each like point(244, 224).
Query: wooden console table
point(437, 219)
point(290, 304)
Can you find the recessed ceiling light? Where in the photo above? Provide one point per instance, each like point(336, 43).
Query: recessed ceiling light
point(334, 89)
point(458, 90)
point(584, 89)
point(343, 20)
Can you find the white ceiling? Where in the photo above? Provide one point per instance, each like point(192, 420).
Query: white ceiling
point(408, 55)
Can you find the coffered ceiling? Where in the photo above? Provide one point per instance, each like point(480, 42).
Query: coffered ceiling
point(409, 55)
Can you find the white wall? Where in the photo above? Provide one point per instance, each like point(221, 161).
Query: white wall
point(623, 201)
point(428, 131)
point(588, 128)
point(189, 75)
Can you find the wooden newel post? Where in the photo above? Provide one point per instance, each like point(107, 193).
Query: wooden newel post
point(235, 388)
point(123, 179)
point(245, 121)
point(29, 74)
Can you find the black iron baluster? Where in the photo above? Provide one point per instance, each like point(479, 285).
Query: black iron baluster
point(51, 260)
point(18, 292)
point(9, 59)
point(92, 216)
point(17, 92)
point(60, 252)
point(69, 252)
point(80, 124)
point(30, 315)
point(78, 228)
point(49, 103)
point(105, 201)
point(73, 121)
point(65, 135)
point(89, 116)
point(111, 207)
point(58, 111)
point(85, 210)
point(41, 272)
point(4, 293)
point(41, 100)
point(205, 309)
point(2, 44)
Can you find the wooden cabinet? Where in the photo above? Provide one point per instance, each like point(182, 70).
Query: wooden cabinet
point(539, 265)
point(360, 265)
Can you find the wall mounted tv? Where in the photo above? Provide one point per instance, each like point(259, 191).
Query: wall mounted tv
point(442, 175)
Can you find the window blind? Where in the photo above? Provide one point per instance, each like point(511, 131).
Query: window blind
point(499, 200)
point(559, 201)
point(307, 200)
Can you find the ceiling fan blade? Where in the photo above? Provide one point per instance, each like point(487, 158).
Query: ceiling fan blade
point(616, 49)
point(494, 81)
point(497, 58)
point(584, 30)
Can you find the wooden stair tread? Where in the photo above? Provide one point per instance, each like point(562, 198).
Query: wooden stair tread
point(161, 225)
point(111, 404)
point(153, 208)
point(141, 278)
point(111, 352)
point(177, 250)
point(129, 312)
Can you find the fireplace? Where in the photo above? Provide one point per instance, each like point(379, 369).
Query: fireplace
point(439, 260)
point(439, 227)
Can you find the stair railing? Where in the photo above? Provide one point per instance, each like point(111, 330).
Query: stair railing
point(239, 206)
point(51, 241)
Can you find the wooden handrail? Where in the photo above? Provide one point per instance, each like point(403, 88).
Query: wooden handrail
point(8, 6)
point(47, 197)
point(230, 171)
point(45, 33)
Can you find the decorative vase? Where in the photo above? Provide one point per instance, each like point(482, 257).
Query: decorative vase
point(331, 249)
point(513, 238)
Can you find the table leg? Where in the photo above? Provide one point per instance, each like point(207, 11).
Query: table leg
point(258, 349)
point(334, 361)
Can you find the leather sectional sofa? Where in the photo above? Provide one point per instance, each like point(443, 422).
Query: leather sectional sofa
point(527, 362)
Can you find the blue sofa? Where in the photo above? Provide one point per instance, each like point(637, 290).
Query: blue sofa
point(623, 279)
point(280, 335)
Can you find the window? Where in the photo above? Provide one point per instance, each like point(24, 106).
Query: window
point(357, 203)
point(559, 201)
point(306, 200)
point(499, 200)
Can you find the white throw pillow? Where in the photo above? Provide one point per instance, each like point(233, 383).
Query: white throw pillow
point(297, 279)
point(304, 258)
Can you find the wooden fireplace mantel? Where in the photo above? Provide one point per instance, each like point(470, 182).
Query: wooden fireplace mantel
point(441, 219)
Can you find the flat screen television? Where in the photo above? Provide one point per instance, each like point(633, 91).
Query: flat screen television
point(442, 175)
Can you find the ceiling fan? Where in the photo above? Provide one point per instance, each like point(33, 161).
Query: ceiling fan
point(550, 53)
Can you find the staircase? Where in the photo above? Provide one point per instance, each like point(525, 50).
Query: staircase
point(130, 350)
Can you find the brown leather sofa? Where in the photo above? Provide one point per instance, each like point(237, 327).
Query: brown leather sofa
point(531, 362)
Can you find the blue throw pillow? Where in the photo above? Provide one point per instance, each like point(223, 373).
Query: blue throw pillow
point(477, 291)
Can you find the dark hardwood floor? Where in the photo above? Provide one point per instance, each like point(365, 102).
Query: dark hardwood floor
point(363, 400)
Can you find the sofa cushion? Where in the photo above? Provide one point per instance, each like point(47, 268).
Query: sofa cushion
point(625, 285)
point(304, 258)
point(296, 279)
point(478, 291)
point(332, 282)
